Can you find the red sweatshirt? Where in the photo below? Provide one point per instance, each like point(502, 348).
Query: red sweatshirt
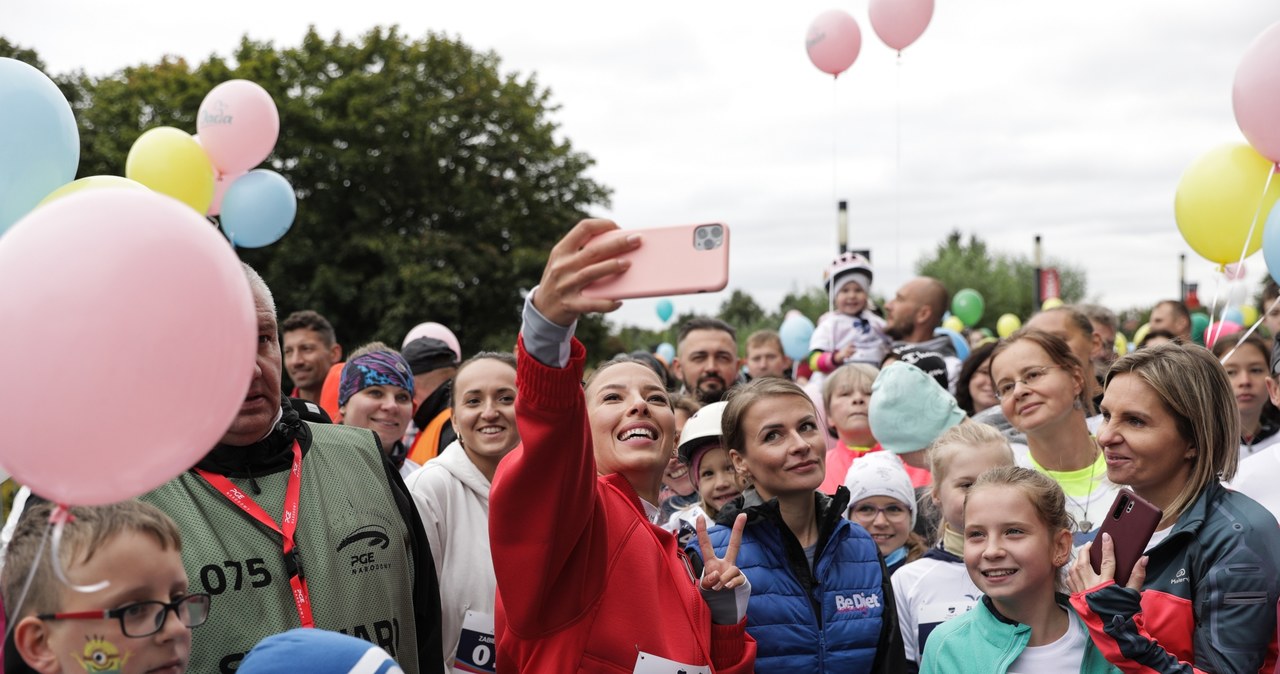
point(585, 582)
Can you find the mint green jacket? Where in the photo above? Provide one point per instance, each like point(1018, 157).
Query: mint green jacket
point(982, 640)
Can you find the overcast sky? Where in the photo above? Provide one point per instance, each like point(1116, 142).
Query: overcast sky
point(1069, 120)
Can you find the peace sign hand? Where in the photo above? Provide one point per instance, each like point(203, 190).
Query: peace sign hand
point(720, 573)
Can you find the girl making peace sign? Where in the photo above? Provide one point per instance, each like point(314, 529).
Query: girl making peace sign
point(586, 581)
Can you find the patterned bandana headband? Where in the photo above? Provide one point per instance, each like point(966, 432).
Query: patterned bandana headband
point(380, 368)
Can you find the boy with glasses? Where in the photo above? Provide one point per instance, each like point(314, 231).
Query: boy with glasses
point(130, 611)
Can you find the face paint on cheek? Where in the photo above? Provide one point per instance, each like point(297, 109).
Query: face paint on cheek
point(101, 656)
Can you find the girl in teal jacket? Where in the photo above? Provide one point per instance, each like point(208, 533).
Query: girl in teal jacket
point(1017, 538)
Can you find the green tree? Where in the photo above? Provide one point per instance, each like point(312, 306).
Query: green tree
point(431, 185)
point(1007, 282)
point(740, 310)
point(813, 302)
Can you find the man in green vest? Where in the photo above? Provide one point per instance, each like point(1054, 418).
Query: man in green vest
point(290, 523)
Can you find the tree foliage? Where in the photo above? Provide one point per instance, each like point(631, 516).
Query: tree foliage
point(1007, 282)
point(740, 310)
point(431, 186)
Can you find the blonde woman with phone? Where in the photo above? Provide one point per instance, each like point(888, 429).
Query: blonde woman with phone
point(1205, 593)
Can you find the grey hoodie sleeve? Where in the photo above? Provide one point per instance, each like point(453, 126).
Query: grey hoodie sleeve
point(547, 342)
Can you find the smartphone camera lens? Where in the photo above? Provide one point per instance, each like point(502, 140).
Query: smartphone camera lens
point(706, 238)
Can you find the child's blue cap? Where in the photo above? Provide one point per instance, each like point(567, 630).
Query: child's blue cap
point(317, 652)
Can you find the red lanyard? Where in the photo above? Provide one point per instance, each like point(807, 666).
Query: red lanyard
point(292, 561)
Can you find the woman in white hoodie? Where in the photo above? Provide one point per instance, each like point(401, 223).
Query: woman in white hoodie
point(452, 494)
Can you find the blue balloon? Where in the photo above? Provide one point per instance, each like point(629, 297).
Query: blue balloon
point(667, 352)
point(1234, 315)
point(957, 341)
point(665, 309)
point(795, 332)
point(1271, 243)
point(39, 141)
point(258, 209)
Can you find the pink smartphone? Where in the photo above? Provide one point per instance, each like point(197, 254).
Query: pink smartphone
point(1131, 521)
point(670, 261)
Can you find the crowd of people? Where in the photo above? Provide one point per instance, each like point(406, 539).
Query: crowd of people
point(881, 505)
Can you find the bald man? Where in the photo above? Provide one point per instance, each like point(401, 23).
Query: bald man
point(912, 316)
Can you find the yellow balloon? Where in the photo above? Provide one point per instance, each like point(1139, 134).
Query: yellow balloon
point(1122, 344)
point(1219, 197)
point(953, 323)
point(171, 162)
point(92, 183)
point(1007, 325)
point(1250, 314)
point(1051, 303)
point(1141, 333)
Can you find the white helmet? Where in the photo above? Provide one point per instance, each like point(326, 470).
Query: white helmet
point(704, 425)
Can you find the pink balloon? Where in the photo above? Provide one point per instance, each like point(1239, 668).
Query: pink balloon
point(1255, 96)
point(143, 342)
point(1235, 271)
point(436, 330)
point(900, 22)
point(222, 182)
point(238, 125)
point(833, 41)
point(1220, 329)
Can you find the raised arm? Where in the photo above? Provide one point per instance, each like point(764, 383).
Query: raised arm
point(546, 523)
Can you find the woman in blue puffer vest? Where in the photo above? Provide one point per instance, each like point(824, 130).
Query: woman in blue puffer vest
point(821, 600)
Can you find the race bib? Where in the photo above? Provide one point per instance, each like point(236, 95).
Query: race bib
point(476, 651)
point(652, 664)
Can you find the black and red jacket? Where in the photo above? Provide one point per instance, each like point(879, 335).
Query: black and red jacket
point(1210, 598)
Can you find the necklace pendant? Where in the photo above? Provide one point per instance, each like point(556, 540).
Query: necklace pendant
point(1085, 526)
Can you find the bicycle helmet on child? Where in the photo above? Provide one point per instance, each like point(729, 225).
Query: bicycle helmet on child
point(848, 267)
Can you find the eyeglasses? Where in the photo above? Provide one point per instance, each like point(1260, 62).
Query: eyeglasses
point(1029, 378)
point(867, 513)
point(146, 617)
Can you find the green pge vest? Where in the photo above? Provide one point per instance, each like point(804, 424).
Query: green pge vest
point(354, 545)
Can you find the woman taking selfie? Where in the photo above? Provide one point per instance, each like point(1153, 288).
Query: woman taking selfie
point(1204, 596)
point(586, 581)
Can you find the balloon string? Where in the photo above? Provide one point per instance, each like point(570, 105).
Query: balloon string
point(835, 146)
point(1250, 331)
point(59, 518)
point(897, 230)
point(1266, 187)
point(1257, 212)
point(1207, 338)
